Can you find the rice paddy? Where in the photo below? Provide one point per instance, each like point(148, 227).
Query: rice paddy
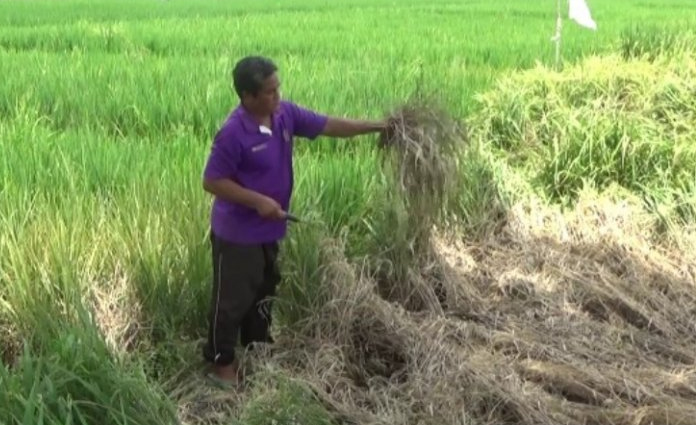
point(521, 251)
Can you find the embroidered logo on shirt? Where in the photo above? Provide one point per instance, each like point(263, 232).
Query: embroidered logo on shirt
point(259, 147)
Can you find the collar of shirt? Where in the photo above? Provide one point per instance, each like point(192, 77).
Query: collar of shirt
point(252, 126)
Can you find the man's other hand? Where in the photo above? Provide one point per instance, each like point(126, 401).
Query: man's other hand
point(270, 209)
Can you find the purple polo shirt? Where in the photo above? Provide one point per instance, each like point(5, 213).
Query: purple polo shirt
point(261, 162)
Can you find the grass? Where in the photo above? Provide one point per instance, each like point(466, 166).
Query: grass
point(287, 402)
point(106, 115)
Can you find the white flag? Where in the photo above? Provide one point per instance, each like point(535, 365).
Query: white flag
point(580, 13)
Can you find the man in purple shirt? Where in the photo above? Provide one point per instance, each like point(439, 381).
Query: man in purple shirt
point(249, 172)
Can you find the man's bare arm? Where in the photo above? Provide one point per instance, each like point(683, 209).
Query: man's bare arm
point(346, 127)
point(231, 191)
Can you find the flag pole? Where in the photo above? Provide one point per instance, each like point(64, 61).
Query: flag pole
point(578, 12)
point(557, 37)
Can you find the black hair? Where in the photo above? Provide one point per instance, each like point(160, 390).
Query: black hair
point(250, 72)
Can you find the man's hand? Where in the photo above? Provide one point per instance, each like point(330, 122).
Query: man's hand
point(268, 208)
point(344, 127)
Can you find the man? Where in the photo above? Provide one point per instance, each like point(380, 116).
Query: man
point(249, 172)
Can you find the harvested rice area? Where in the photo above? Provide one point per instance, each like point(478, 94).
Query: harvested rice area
point(576, 321)
point(581, 315)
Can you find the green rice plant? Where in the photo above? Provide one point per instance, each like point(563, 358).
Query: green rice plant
point(603, 121)
point(650, 41)
point(487, 187)
point(77, 381)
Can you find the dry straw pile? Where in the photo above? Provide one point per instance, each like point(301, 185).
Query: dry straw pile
point(544, 324)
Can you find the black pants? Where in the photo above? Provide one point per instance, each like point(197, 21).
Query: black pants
point(244, 277)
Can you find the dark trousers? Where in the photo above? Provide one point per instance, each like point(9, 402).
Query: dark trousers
point(244, 277)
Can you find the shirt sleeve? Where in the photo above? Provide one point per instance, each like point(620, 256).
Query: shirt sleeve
point(224, 157)
point(306, 123)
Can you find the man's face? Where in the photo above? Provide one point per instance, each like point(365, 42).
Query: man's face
point(267, 99)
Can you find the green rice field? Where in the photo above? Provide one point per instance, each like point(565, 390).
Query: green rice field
point(107, 113)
